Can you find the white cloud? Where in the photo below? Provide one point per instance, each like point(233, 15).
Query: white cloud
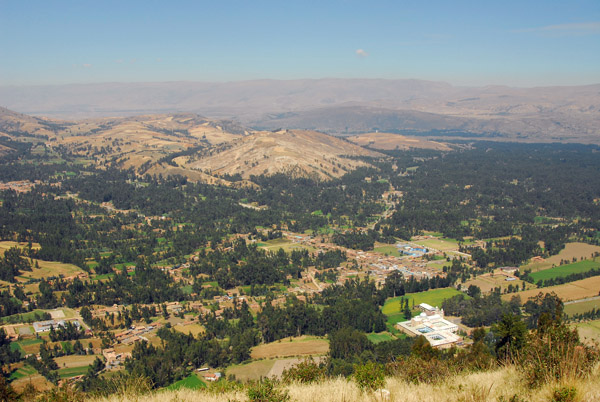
point(573, 29)
point(361, 53)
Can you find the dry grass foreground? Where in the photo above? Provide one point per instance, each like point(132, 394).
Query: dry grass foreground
point(496, 385)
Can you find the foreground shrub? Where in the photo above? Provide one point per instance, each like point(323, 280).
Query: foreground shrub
point(369, 376)
point(417, 370)
point(564, 394)
point(307, 371)
point(267, 391)
point(123, 385)
point(555, 353)
point(223, 386)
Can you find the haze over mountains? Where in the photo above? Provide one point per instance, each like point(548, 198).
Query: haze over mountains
point(338, 106)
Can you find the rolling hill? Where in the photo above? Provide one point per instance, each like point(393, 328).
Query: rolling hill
point(543, 114)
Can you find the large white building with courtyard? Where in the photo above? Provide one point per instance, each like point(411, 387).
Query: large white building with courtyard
point(439, 332)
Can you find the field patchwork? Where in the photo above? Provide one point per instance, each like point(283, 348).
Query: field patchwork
point(564, 270)
point(581, 289)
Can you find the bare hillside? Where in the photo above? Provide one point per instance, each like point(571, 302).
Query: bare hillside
point(294, 152)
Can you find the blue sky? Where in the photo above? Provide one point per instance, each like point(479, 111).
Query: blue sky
point(518, 43)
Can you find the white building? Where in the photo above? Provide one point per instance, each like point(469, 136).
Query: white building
point(431, 324)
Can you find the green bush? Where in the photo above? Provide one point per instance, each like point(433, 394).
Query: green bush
point(564, 394)
point(369, 376)
point(419, 370)
point(306, 371)
point(267, 391)
point(555, 353)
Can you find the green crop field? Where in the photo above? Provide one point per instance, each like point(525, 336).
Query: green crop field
point(564, 270)
point(433, 297)
point(24, 371)
point(191, 382)
point(72, 371)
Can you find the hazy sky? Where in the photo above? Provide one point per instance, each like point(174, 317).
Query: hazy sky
point(521, 43)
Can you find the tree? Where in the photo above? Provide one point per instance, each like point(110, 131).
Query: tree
point(474, 291)
point(511, 336)
point(347, 343)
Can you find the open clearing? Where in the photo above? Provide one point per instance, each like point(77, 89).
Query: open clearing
point(564, 270)
point(589, 331)
point(301, 346)
point(380, 337)
point(582, 289)
point(51, 268)
point(387, 250)
point(433, 297)
point(5, 245)
point(194, 329)
point(287, 245)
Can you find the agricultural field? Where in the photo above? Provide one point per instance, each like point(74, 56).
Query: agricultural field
point(581, 289)
point(564, 270)
point(589, 331)
point(23, 371)
point(489, 281)
point(571, 250)
point(582, 307)
point(253, 371)
point(300, 346)
point(191, 382)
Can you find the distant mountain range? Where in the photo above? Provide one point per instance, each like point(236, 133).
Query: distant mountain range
point(338, 106)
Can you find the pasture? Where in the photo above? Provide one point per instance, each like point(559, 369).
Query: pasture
point(380, 337)
point(571, 250)
point(581, 289)
point(50, 268)
point(582, 307)
point(564, 270)
point(433, 297)
point(297, 346)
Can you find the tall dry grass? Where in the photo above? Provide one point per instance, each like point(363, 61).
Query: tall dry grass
point(488, 386)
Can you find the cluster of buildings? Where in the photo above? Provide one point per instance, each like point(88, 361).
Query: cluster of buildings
point(45, 326)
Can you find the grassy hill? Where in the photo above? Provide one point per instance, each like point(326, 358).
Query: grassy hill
point(494, 385)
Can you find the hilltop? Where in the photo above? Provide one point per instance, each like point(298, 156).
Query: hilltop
point(295, 152)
